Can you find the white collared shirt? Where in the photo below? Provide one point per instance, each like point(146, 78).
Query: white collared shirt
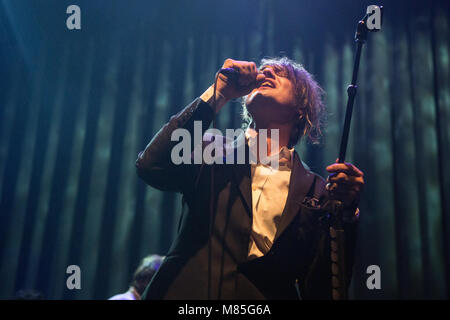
point(270, 187)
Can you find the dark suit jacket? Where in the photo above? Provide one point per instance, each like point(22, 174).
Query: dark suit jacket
point(300, 252)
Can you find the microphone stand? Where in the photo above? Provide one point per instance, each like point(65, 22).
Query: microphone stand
point(338, 268)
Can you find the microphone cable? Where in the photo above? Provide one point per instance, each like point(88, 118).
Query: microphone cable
point(211, 200)
point(232, 74)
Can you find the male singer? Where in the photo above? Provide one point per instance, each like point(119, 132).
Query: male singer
point(269, 234)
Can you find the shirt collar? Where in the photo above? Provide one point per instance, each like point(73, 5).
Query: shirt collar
point(285, 156)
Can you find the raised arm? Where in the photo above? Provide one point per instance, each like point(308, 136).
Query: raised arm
point(154, 164)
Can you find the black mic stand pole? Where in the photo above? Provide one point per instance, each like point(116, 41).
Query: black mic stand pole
point(338, 269)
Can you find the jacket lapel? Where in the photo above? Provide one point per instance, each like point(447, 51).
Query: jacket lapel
point(299, 185)
point(242, 176)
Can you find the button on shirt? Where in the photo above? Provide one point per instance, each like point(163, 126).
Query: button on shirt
point(270, 189)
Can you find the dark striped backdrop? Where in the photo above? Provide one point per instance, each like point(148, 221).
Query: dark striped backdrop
point(76, 107)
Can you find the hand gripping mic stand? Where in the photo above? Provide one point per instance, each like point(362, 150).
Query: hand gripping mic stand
point(338, 269)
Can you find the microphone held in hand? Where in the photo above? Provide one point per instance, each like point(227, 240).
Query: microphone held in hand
point(230, 73)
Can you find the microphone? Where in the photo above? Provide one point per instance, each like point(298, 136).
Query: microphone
point(231, 73)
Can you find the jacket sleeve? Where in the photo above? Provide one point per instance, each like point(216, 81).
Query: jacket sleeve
point(154, 164)
point(316, 283)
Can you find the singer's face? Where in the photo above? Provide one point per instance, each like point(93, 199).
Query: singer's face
point(274, 100)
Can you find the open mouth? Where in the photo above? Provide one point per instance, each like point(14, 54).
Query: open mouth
point(267, 84)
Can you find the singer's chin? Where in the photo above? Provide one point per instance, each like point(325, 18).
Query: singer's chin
point(257, 98)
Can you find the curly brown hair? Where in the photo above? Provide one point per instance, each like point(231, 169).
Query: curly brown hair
point(310, 102)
